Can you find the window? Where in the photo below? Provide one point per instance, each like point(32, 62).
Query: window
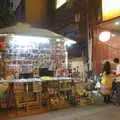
point(59, 3)
point(14, 4)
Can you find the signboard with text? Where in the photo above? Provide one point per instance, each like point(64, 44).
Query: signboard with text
point(59, 3)
point(110, 9)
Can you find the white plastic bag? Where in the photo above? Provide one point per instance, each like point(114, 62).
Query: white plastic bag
point(98, 85)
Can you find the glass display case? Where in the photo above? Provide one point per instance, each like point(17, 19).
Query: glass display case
point(25, 55)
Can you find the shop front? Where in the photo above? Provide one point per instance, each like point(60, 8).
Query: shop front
point(36, 78)
point(106, 44)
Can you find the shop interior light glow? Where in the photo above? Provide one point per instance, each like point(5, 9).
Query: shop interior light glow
point(117, 23)
point(105, 36)
point(58, 40)
point(69, 43)
point(4, 34)
point(113, 35)
point(25, 40)
point(35, 41)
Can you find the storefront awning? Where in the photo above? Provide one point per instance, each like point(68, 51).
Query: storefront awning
point(27, 30)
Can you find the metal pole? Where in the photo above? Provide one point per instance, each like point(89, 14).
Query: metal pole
point(87, 41)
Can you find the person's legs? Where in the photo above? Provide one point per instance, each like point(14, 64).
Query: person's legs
point(105, 98)
point(109, 99)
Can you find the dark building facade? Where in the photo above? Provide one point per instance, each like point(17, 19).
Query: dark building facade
point(67, 22)
point(77, 22)
point(34, 12)
point(107, 50)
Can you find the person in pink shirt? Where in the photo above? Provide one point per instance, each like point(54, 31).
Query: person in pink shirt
point(117, 62)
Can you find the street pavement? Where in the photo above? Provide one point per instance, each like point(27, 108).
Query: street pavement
point(98, 112)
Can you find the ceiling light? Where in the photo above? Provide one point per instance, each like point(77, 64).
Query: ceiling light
point(113, 35)
point(117, 23)
point(69, 42)
point(104, 36)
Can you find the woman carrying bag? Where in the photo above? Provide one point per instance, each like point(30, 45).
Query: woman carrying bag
point(106, 82)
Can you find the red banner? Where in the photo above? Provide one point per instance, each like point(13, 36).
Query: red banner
point(2, 44)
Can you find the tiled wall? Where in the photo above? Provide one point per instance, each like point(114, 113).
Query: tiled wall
point(101, 52)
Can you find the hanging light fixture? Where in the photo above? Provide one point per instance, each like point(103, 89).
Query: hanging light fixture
point(105, 36)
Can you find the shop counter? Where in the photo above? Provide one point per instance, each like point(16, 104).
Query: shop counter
point(38, 94)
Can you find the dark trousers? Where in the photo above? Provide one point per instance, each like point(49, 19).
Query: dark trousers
point(106, 98)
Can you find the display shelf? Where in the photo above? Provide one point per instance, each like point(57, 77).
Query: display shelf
point(55, 93)
point(27, 57)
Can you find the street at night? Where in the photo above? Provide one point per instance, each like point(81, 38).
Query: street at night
point(59, 59)
point(87, 113)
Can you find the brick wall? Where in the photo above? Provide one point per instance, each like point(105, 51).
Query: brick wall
point(101, 52)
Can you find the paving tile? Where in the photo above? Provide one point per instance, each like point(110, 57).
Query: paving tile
point(107, 112)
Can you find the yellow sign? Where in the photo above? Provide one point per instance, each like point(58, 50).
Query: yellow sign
point(59, 3)
point(110, 9)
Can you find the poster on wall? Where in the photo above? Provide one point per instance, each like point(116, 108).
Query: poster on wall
point(59, 3)
point(110, 9)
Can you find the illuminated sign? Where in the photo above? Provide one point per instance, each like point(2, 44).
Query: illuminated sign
point(110, 9)
point(59, 3)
